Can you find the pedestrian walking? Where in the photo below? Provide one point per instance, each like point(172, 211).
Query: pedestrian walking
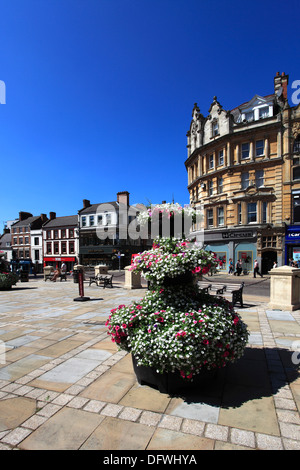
point(230, 266)
point(256, 269)
point(238, 267)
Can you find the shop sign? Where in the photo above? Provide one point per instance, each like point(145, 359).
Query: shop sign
point(293, 234)
point(234, 235)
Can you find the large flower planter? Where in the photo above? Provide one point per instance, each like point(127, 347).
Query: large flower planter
point(170, 382)
point(175, 326)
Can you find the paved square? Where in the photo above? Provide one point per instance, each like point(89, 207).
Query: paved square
point(65, 385)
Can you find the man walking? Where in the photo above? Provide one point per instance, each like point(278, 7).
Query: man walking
point(256, 269)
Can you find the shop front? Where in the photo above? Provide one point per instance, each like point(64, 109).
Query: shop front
point(292, 244)
point(56, 261)
point(232, 244)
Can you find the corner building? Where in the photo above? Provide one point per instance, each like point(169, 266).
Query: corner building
point(243, 170)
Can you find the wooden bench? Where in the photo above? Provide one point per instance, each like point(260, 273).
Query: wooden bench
point(106, 280)
point(218, 288)
point(102, 280)
point(208, 287)
point(236, 290)
point(93, 279)
point(204, 287)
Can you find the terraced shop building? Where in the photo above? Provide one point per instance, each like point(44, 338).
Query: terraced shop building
point(243, 169)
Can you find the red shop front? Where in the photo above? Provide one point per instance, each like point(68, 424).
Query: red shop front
point(56, 261)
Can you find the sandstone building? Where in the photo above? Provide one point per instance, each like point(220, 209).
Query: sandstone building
point(243, 170)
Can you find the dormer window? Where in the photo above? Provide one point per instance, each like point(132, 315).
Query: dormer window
point(264, 112)
point(215, 128)
point(249, 116)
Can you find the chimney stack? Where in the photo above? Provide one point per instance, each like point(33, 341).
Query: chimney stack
point(52, 215)
point(280, 85)
point(86, 203)
point(24, 215)
point(44, 218)
point(123, 198)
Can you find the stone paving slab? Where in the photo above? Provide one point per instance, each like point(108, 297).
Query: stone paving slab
point(64, 384)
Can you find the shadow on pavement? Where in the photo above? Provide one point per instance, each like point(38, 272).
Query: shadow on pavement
point(250, 378)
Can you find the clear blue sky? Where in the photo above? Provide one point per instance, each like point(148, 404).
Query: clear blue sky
point(99, 93)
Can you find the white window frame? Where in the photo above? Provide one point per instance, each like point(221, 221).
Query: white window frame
point(245, 181)
point(249, 212)
point(245, 151)
point(210, 217)
point(220, 216)
point(259, 148)
point(221, 158)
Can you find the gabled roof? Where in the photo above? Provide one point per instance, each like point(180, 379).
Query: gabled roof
point(25, 222)
point(92, 209)
point(71, 220)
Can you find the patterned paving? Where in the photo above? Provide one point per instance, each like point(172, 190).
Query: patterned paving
point(58, 367)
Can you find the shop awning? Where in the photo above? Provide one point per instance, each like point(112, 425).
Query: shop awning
point(59, 258)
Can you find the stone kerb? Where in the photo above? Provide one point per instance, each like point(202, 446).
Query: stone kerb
point(285, 288)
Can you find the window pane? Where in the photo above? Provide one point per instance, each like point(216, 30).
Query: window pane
point(259, 178)
point(249, 116)
point(264, 112)
point(259, 148)
point(245, 180)
point(220, 216)
point(210, 218)
point(245, 150)
point(296, 173)
point(215, 128)
point(297, 145)
point(221, 157)
point(239, 213)
point(296, 205)
point(264, 212)
point(220, 185)
point(251, 212)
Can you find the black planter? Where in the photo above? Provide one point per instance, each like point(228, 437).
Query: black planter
point(169, 382)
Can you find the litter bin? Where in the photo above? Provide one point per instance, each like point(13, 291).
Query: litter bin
point(24, 276)
point(78, 268)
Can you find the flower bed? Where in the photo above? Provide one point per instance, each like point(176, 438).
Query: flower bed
point(175, 327)
point(7, 280)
